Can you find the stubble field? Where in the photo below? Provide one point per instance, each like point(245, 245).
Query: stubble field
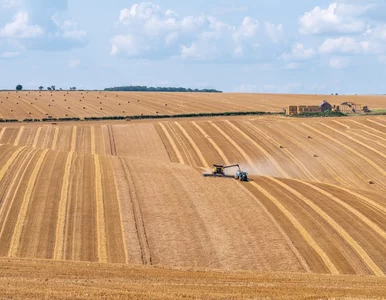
point(133, 193)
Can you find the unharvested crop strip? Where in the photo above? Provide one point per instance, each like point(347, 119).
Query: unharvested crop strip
point(2, 132)
point(172, 143)
point(377, 123)
point(366, 133)
point(21, 219)
point(354, 211)
point(62, 210)
point(343, 233)
point(20, 132)
point(194, 145)
point(9, 162)
point(101, 226)
point(341, 124)
point(24, 165)
point(300, 228)
point(55, 140)
point(181, 144)
point(73, 139)
point(376, 166)
point(218, 149)
point(367, 127)
point(138, 217)
point(286, 151)
point(93, 146)
point(36, 138)
point(261, 149)
point(354, 140)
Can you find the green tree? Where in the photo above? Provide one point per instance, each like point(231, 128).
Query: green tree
point(41, 88)
point(19, 87)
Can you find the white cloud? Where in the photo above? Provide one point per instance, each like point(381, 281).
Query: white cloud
point(274, 32)
point(19, 28)
point(9, 54)
point(337, 18)
point(68, 29)
point(147, 30)
point(291, 66)
point(299, 52)
point(344, 45)
point(74, 63)
point(339, 62)
point(8, 3)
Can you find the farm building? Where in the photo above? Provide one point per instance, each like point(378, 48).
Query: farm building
point(324, 106)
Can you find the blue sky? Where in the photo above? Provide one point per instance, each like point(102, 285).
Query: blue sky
point(302, 46)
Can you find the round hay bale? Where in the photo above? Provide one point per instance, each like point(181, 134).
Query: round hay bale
point(29, 113)
point(84, 107)
point(128, 101)
point(11, 110)
point(19, 96)
point(119, 103)
point(97, 97)
point(315, 155)
point(137, 100)
point(156, 112)
point(68, 107)
point(309, 137)
point(66, 115)
point(17, 103)
point(105, 96)
point(281, 147)
point(116, 95)
point(101, 108)
point(123, 111)
point(80, 100)
point(49, 104)
point(371, 182)
point(166, 104)
point(100, 102)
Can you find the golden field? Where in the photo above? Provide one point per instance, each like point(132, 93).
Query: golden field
point(73, 104)
point(94, 198)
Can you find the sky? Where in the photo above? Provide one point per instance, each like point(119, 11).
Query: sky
point(302, 46)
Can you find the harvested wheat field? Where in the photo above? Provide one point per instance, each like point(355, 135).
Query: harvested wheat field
point(72, 104)
point(94, 201)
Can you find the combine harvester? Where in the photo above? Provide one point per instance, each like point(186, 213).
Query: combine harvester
point(219, 171)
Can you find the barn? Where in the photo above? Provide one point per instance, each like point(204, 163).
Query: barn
point(324, 106)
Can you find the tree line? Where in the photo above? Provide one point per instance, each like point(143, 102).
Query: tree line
point(139, 88)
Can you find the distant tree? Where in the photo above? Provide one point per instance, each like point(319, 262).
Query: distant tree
point(19, 87)
point(61, 89)
point(53, 87)
point(41, 88)
point(49, 88)
point(74, 88)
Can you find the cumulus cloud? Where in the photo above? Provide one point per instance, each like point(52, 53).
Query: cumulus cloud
point(274, 32)
point(9, 54)
point(344, 45)
point(336, 18)
point(147, 30)
point(299, 52)
point(20, 28)
point(68, 28)
point(339, 62)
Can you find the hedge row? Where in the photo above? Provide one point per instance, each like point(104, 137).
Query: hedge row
point(319, 114)
point(60, 119)
point(8, 121)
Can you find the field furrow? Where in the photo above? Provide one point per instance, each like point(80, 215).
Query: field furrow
point(100, 213)
point(36, 138)
point(19, 225)
point(347, 237)
point(172, 143)
point(62, 210)
point(55, 139)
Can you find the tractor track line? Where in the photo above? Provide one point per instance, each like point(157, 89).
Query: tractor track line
point(2, 132)
point(194, 145)
point(380, 170)
point(300, 228)
point(16, 237)
point(286, 151)
point(113, 148)
point(62, 210)
point(369, 139)
point(100, 213)
point(212, 142)
point(36, 138)
point(93, 145)
point(261, 149)
point(73, 138)
point(351, 209)
point(120, 216)
point(342, 232)
point(354, 140)
point(172, 143)
point(138, 217)
point(55, 140)
point(20, 132)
